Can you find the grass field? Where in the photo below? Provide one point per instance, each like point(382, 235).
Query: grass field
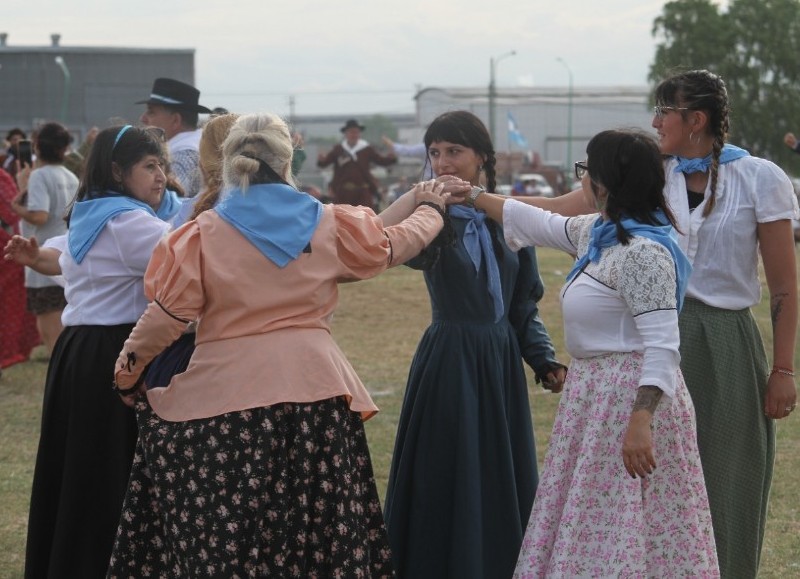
point(378, 325)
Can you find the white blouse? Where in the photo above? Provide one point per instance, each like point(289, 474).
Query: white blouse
point(107, 287)
point(723, 247)
point(624, 303)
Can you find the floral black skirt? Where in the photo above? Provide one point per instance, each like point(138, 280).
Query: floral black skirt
point(281, 491)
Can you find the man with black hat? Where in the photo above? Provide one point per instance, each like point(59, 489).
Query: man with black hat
point(173, 106)
point(352, 181)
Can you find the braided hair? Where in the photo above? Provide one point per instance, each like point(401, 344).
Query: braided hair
point(464, 128)
point(701, 90)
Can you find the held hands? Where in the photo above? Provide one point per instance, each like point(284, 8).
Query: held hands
point(455, 188)
point(429, 192)
point(23, 251)
point(637, 446)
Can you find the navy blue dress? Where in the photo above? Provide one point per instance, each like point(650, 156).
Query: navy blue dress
point(464, 473)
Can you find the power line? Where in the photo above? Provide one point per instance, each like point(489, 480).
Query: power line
point(309, 92)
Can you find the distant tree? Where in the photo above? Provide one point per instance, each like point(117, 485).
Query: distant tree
point(755, 47)
point(692, 34)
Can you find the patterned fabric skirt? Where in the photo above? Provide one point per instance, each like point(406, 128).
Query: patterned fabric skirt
point(281, 491)
point(590, 517)
point(723, 359)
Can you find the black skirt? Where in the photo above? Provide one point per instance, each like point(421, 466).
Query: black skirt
point(281, 491)
point(83, 463)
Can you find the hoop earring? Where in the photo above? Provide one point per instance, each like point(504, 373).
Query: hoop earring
point(691, 142)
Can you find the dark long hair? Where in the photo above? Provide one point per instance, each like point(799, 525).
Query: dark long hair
point(628, 163)
point(701, 90)
point(130, 148)
point(464, 128)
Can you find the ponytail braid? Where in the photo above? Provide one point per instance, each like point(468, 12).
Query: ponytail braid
point(720, 135)
point(491, 172)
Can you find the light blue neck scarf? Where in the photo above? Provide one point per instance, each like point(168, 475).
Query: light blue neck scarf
point(170, 205)
point(89, 217)
point(701, 164)
point(604, 234)
point(478, 243)
point(277, 219)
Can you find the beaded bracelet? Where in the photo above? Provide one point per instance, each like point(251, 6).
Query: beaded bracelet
point(779, 370)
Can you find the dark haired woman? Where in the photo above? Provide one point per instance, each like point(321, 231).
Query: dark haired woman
point(463, 473)
point(731, 206)
point(622, 491)
point(87, 435)
point(44, 195)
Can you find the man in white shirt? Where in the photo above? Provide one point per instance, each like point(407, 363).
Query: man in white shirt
point(173, 106)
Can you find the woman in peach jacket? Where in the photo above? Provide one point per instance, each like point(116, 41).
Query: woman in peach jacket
point(254, 460)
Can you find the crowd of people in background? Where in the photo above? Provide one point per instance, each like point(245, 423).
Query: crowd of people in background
point(182, 263)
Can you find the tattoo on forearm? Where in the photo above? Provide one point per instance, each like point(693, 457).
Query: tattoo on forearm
point(777, 305)
point(647, 398)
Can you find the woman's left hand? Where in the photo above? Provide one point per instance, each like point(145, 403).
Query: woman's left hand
point(781, 398)
point(637, 446)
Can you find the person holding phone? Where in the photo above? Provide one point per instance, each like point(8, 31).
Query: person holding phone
point(10, 155)
point(44, 195)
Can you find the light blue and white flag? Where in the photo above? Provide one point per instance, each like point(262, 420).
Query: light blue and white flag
point(514, 134)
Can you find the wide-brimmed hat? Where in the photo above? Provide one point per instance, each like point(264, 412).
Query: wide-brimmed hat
point(351, 124)
point(175, 94)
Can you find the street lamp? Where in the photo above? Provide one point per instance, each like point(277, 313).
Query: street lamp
point(569, 115)
point(65, 98)
point(493, 89)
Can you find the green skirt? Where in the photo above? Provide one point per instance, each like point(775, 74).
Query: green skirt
point(725, 367)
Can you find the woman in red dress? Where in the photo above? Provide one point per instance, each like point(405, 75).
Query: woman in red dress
point(18, 334)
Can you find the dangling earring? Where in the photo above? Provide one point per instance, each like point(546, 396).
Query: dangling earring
point(480, 168)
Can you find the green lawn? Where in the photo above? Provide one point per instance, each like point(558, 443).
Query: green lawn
point(378, 325)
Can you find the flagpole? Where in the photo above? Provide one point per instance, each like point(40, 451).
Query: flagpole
point(569, 115)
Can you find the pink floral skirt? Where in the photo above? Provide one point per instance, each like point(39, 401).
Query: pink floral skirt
point(590, 517)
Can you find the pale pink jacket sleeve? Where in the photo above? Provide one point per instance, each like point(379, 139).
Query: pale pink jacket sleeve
point(173, 284)
point(366, 248)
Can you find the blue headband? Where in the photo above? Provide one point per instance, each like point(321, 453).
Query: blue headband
point(119, 136)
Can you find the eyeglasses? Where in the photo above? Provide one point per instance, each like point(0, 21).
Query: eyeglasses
point(661, 110)
point(581, 169)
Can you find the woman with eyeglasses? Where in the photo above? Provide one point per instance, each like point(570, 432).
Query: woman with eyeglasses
point(87, 434)
point(464, 473)
point(622, 491)
point(730, 207)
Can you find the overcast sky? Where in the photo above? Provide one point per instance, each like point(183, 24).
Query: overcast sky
point(360, 56)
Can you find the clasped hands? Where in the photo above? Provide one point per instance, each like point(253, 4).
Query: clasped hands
point(444, 190)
